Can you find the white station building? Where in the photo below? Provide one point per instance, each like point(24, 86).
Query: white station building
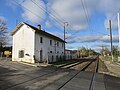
point(33, 45)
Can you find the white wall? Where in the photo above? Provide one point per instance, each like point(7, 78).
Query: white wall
point(23, 39)
point(46, 47)
point(29, 41)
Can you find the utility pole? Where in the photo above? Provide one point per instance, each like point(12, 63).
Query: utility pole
point(119, 37)
point(111, 39)
point(65, 23)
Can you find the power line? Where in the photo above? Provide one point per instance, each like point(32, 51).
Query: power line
point(53, 16)
point(27, 9)
point(86, 14)
point(85, 11)
point(58, 20)
point(31, 12)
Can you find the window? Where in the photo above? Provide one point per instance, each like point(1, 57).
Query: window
point(57, 58)
point(50, 51)
point(57, 43)
point(41, 39)
point(51, 42)
point(41, 55)
point(21, 53)
point(62, 45)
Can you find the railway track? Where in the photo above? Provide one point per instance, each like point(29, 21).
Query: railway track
point(83, 69)
point(91, 87)
point(68, 66)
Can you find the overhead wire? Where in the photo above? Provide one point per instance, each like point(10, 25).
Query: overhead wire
point(49, 13)
point(53, 16)
point(31, 12)
point(87, 19)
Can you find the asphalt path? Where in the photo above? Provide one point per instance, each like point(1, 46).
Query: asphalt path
point(17, 76)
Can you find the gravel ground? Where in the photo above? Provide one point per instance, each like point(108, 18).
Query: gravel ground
point(114, 69)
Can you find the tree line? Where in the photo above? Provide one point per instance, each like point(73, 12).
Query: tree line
point(3, 36)
point(106, 52)
point(85, 52)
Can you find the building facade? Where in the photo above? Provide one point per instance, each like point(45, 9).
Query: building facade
point(33, 45)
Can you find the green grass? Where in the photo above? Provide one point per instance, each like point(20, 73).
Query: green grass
point(106, 58)
point(60, 62)
point(115, 60)
point(116, 74)
point(102, 67)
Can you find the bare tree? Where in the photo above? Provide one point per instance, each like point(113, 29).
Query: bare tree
point(3, 32)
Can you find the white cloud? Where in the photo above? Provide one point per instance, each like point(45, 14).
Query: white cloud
point(31, 12)
point(70, 11)
point(101, 45)
point(57, 34)
point(110, 8)
point(69, 41)
point(114, 24)
point(73, 12)
point(89, 38)
point(47, 23)
point(93, 38)
point(68, 35)
point(70, 47)
point(115, 38)
point(3, 19)
point(37, 15)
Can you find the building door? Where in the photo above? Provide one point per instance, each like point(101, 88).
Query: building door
point(52, 58)
point(41, 55)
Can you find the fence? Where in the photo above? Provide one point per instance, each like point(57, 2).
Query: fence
point(57, 57)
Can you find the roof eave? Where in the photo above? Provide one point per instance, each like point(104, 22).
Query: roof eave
point(16, 29)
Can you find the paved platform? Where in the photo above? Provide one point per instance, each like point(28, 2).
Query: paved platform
point(17, 76)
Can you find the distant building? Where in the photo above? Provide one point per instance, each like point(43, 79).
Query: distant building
point(71, 54)
point(33, 45)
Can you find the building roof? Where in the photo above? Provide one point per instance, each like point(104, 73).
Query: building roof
point(71, 51)
point(36, 31)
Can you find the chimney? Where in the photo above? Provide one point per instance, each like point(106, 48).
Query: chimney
point(39, 27)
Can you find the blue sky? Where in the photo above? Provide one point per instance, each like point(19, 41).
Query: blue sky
point(87, 19)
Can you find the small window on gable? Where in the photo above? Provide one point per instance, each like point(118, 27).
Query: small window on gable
point(50, 51)
point(21, 53)
point(41, 39)
point(57, 43)
point(51, 42)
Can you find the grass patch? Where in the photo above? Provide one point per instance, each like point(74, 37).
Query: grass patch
point(60, 62)
point(112, 70)
point(115, 74)
point(108, 58)
point(102, 67)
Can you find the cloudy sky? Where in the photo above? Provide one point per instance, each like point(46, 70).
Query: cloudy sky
point(87, 19)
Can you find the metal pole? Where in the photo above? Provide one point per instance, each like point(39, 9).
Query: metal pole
point(119, 29)
point(111, 40)
point(119, 37)
point(64, 37)
point(64, 40)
